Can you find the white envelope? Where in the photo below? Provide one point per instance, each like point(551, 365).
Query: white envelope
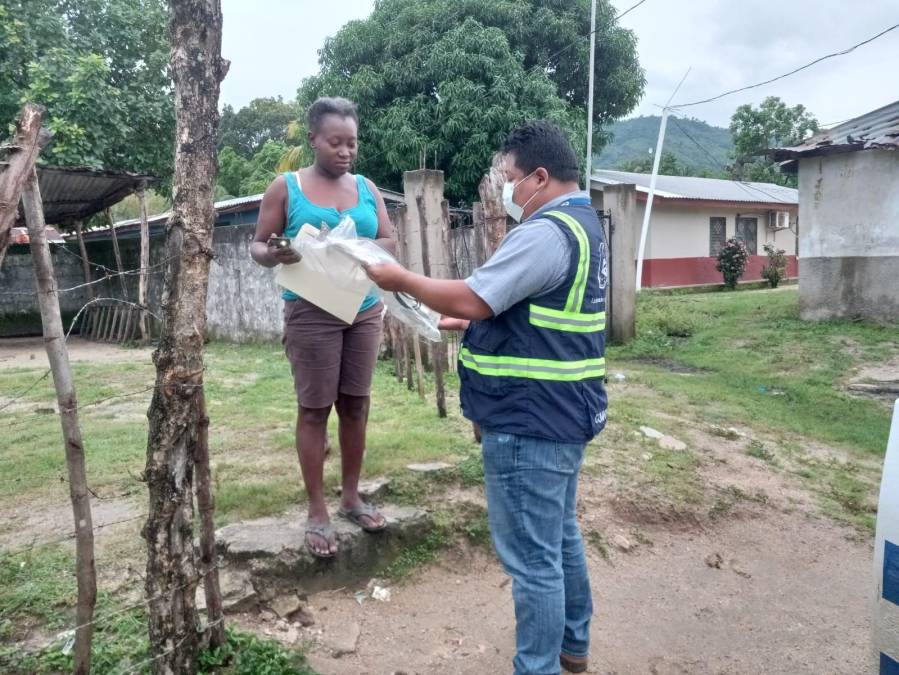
point(316, 288)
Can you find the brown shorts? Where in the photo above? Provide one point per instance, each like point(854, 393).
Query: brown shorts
point(327, 356)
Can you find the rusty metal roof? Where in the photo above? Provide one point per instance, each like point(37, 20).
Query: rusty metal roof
point(700, 189)
point(74, 193)
point(878, 129)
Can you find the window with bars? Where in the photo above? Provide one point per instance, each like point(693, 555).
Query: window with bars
point(717, 234)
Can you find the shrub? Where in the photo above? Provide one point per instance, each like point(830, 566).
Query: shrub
point(732, 261)
point(776, 269)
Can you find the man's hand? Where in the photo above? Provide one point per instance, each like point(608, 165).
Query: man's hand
point(389, 276)
point(449, 323)
point(284, 255)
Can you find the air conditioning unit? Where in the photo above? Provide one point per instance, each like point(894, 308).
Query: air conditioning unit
point(779, 220)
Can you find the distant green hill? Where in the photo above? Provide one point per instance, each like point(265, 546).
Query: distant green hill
point(634, 138)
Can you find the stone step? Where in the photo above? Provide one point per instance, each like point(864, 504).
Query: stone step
point(271, 552)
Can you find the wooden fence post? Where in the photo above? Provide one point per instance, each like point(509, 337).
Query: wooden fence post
point(491, 192)
point(118, 253)
point(479, 234)
point(19, 157)
point(206, 507)
point(428, 212)
point(85, 261)
point(55, 343)
point(144, 263)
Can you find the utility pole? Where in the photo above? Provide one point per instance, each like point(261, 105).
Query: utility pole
point(588, 170)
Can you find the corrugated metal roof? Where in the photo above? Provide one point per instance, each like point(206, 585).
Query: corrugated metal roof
point(706, 189)
point(878, 129)
point(74, 193)
point(224, 206)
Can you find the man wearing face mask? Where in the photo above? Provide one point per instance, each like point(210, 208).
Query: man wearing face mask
point(531, 368)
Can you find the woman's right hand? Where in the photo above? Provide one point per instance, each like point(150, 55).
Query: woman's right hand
point(284, 255)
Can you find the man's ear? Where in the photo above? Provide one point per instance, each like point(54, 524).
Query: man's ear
point(542, 175)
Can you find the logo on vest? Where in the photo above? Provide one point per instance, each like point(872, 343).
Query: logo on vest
point(600, 418)
point(603, 266)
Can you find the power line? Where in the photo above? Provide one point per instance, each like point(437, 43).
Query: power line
point(744, 185)
point(792, 72)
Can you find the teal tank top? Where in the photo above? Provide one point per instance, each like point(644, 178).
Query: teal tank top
point(301, 211)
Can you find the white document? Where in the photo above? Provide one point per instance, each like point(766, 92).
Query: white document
point(315, 287)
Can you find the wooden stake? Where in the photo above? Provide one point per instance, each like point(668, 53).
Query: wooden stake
point(57, 354)
point(206, 507)
point(117, 252)
point(19, 158)
point(416, 348)
point(144, 263)
point(85, 263)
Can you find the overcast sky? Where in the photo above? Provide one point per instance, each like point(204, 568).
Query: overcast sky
point(272, 46)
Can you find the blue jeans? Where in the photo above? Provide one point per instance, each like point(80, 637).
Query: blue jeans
point(531, 486)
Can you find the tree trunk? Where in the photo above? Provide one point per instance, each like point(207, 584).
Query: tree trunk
point(195, 28)
point(55, 343)
point(144, 262)
point(118, 254)
point(85, 262)
point(491, 192)
point(206, 507)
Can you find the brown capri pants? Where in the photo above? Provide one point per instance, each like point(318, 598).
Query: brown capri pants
point(327, 356)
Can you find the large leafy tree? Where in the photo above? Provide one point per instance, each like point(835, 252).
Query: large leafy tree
point(101, 69)
point(758, 130)
point(439, 83)
point(239, 177)
point(247, 129)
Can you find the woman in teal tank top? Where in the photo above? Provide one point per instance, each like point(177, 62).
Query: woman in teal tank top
point(332, 362)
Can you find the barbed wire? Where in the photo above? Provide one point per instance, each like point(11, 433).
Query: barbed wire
point(30, 548)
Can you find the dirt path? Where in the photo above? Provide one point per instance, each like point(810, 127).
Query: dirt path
point(29, 352)
point(767, 592)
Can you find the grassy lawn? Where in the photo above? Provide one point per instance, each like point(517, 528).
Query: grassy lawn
point(746, 357)
point(252, 409)
point(742, 359)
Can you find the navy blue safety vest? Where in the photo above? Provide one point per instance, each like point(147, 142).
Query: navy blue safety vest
point(538, 368)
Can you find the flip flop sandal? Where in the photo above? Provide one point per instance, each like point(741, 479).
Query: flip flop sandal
point(323, 531)
point(573, 664)
point(355, 516)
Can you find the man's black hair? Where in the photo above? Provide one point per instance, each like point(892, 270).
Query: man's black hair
point(326, 105)
point(542, 143)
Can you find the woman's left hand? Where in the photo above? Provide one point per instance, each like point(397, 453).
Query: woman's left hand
point(388, 276)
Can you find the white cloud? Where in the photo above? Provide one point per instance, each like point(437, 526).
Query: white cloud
point(733, 44)
point(273, 45)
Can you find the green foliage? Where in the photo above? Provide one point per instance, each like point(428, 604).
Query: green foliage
point(100, 68)
point(732, 259)
point(246, 654)
point(129, 207)
point(440, 83)
point(239, 177)
point(247, 130)
point(757, 130)
point(634, 140)
point(776, 269)
point(669, 165)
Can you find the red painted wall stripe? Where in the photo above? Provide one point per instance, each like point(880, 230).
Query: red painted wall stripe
point(668, 272)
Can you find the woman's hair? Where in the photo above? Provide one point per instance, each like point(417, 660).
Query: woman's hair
point(326, 105)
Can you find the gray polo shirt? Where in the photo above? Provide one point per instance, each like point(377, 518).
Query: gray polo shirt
point(531, 261)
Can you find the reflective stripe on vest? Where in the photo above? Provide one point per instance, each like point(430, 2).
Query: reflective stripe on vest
point(534, 369)
point(573, 322)
point(571, 319)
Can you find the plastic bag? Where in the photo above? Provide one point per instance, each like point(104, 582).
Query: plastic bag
point(406, 309)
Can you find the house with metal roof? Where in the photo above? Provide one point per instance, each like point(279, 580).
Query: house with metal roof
point(693, 217)
point(849, 198)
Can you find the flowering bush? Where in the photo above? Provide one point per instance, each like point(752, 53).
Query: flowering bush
point(776, 269)
point(732, 261)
